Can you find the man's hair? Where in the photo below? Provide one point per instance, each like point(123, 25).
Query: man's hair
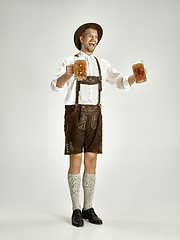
point(89, 26)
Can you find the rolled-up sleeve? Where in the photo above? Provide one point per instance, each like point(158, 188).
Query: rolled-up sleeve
point(61, 71)
point(116, 78)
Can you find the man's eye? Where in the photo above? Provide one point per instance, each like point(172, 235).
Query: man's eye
point(90, 35)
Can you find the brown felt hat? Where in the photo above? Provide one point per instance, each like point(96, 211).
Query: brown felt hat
point(81, 29)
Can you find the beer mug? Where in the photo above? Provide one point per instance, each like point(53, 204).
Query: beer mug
point(139, 71)
point(80, 69)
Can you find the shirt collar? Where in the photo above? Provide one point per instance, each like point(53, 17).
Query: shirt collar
point(85, 55)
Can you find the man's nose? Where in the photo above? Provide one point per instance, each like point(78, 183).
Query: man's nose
point(93, 37)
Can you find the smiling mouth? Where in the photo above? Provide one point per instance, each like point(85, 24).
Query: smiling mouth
point(92, 44)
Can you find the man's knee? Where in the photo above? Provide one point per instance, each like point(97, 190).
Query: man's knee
point(75, 163)
point(90, 160)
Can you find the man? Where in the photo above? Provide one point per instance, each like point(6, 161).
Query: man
point(83, 118)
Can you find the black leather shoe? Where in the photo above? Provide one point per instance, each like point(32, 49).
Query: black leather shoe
point(91, 216)
point(77, 220)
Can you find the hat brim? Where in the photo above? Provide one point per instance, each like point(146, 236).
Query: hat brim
point(81, 29)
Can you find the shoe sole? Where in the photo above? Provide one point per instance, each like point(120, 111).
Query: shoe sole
point(95, 223)
point(86, 218)
point(76, 225)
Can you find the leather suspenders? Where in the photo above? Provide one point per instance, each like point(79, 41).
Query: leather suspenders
point(91, 80)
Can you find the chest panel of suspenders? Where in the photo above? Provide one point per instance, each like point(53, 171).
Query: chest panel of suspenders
point(91, 80)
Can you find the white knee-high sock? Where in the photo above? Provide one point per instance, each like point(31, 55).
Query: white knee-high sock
point(74, 181)
point(88, 186)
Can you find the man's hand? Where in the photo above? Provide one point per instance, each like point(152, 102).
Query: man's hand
point(70, 69)
point(66, 76)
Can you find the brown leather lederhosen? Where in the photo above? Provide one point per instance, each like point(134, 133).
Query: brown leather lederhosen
point(83, 123)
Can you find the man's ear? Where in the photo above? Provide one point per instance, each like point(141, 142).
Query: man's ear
point(81, 38)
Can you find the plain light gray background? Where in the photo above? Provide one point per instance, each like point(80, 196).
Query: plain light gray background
point(138, 174)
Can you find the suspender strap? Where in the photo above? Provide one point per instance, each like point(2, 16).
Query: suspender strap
point(98, 67)
point(100, 82)
point(77, 91)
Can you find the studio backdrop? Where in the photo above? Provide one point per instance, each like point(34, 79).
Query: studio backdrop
point(139, 168)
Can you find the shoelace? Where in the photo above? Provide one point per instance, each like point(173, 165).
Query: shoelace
point(92, 212)
point(78, 214)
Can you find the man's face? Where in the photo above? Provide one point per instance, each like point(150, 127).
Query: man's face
point(89, 40)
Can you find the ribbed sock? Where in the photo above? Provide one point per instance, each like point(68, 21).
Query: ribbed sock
point(88, 186)
point(74, 181)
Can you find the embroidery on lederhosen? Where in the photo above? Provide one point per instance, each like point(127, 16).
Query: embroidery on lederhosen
point(82, 122)
point(92, 112)
point(68, 130)
point(94, 120)
point(69, 147)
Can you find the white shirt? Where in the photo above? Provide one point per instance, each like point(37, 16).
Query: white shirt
point(89, 93)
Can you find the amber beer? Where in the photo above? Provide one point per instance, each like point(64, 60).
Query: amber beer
point(139, 71)
point(80, 70)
